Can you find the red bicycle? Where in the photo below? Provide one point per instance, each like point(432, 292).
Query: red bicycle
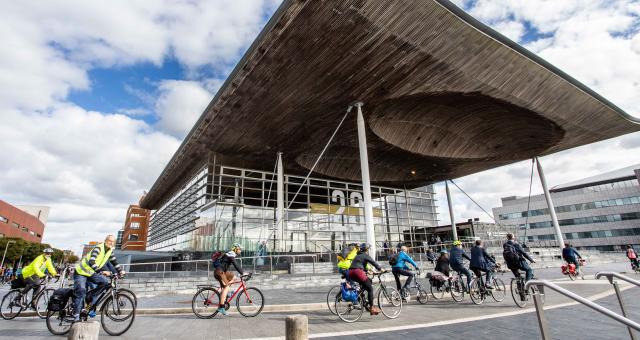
point(573, 272)
point(249, 300)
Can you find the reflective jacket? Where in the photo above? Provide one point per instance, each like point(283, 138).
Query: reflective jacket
point(95, 260)
point(38, 266)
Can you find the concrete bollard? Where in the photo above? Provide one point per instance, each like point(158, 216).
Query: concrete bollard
point(297, 327)
point(84, 331)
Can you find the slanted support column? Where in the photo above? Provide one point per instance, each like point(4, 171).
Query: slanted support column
point(366, 183)
point(279, 235)
point(453, 221)
point(552, 210)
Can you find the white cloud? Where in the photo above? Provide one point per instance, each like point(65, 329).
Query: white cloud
point(179, 105)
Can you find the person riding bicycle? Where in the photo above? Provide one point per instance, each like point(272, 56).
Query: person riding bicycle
point(224, 276)
point(35, 271)
point(571, 255)
point(482, 262)
point(455, 259)
point(431, 256)
point(358, 274)
point(88, 270)
point(400, 267)
point(516, 257)
point(344, 260)
point(632, 256)
point(442, 263)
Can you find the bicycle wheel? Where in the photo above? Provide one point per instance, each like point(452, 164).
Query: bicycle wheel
point(390, 302)
point(59, 322)
point(42, 300)
point(475, 292)
point(131, 294)
point(519, 297)
point(457, 290)
point(349, 311)
point(499, 290)
point(117, 316)
point(437, 292)
point(331, 299)
point(250, 302)
point(422, 296)
point(8, 309)
point(205, 303)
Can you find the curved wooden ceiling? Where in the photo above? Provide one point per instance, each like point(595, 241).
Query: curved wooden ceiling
point(444, 96)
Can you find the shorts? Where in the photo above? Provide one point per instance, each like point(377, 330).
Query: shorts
point(225, 278)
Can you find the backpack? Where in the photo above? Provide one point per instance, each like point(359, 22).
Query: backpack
point(216, 258)
point(59, 299)
point(393, 260)
point(510, 254)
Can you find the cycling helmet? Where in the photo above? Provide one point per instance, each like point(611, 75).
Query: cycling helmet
point(444, 251)
point(457, 243)
point(364, 247)
point(48, 251)
point(236, 246)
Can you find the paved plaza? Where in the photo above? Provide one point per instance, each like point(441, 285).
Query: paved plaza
point(436, 319)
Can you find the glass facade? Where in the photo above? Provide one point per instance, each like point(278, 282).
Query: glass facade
point(222, 205)
point(575, 207)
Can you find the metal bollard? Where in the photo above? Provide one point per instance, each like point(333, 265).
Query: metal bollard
point(296, 327)
point(84, 331)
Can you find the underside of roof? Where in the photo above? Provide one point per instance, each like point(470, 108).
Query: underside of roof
point(444, 96)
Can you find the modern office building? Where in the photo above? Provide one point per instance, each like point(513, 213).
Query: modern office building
point(86, 248)
point(136, 225)
point(600, 212)
point(15, 222)
point(443, 96)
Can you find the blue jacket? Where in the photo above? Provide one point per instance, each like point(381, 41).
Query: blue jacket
point(403, 258)
point(570, 253)
point(455, 256)
point(480, 259)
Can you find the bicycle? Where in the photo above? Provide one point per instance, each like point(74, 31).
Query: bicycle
point(520, 296)
point(421, 294)
point(572, 272)
point(14, 302)
point(113, 305)
point(332, 294)
point(388, 300)
point(635, 268)
point(249, 301)
point(478, 291)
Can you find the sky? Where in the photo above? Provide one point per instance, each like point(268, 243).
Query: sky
point(95, 98)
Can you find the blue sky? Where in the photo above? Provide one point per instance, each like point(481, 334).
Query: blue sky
point(98, 97)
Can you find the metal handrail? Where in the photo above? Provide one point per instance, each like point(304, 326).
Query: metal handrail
point(540, 310)
point(611, 275)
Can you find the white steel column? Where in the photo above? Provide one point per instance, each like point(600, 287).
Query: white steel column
point(453, 221)
point(280, 204)
point(552, 210)
point(366, 184)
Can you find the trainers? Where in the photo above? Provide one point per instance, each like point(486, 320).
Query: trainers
point(222, 311)
point(92, 314)
point(374, 310)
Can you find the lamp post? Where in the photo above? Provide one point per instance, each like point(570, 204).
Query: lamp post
point(5, 252)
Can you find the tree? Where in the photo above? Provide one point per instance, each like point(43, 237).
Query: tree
point(72, 259)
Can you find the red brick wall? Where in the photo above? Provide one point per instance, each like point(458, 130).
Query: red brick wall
point(135, 214)
point(14, 215)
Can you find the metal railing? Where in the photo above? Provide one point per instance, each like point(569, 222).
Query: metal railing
point(610, 276)
point(542, 322)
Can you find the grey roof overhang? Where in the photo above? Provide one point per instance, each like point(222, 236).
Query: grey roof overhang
point(443, 95)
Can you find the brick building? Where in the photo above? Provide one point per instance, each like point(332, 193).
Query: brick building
point(18, 223)
point(134, 236)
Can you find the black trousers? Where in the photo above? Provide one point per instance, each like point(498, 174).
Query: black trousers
point(399, 271)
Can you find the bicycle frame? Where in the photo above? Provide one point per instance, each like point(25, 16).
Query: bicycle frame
point(241, 287)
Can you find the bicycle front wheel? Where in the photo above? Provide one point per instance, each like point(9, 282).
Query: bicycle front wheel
point(8, 307)
point(331, 299)
point(117, 314)
point(423, 296)
point(390, 302)
point(475, 292)
point(205, 303)
point(131, 294)
point(42, 300)
point(250, 302)
point(499, 290)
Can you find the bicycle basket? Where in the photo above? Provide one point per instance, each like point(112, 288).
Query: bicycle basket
point(59, 299)
point(348, 294)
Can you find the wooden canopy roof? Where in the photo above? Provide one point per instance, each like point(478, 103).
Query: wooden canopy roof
point(444, 96)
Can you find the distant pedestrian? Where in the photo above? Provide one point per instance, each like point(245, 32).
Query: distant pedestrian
point(632, 256)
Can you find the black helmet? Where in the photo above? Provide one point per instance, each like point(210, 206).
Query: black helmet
point(364, 247)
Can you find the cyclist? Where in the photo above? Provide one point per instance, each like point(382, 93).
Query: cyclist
point(482, 262)
point(431, 256)
point(35, 271)
point(357, 273)
point(400, 268)
point(87, 271)
point(442, 264)
point(569, 254)
point(8, 273)
point(632, 256)
point(225, 276)
point(515, 257)
point(455, 259)
point(344, 260)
